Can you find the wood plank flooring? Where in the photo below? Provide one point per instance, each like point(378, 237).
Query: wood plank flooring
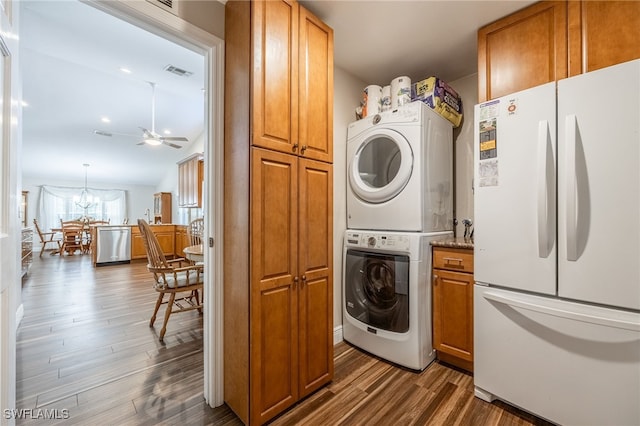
point(86, 355)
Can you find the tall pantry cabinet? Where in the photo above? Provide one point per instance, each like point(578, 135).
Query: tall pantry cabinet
point(278, 207)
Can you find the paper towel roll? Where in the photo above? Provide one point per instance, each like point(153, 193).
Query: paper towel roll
point(386, 99)
point(400, 91)
point(372, 98)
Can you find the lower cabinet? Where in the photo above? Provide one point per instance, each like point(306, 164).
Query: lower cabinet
point(182, 240)
point(453, 306)
point(278, 285)
point(291, 281)
point(165, 234)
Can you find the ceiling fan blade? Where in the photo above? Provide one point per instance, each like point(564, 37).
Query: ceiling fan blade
point(111, 134)
point(174, 138)
point(172, 145)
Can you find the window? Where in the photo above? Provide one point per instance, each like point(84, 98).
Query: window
point(58, 203)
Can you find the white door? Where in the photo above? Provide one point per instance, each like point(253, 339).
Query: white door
point(9, 212)
point(514, 202)
point(381, 163)
point(599, 186)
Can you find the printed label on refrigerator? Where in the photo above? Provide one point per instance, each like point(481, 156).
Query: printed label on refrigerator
point(488, 142)
point(488, 172)
point(489, 110)
point(488, 159)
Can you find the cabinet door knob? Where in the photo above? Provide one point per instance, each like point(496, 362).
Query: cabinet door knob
point(295, 146)
point(303, 149)
point(304, 278)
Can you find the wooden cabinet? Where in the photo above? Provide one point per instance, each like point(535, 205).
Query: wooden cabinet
point(292, 283)
point(162, 207)
point(164, 233)
point(182, 240)
point(523, 50)
point(552, 40)
point(453, 305)
point(278, 207)
point(190, 179)
point(292, 54)
point(26, 244)
point(602, 33)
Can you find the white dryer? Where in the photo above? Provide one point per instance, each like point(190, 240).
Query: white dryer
point(386, 298)
point(400, 171)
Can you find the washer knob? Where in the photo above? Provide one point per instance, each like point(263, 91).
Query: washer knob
point(372, 241)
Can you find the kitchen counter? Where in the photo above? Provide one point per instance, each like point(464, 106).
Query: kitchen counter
point(454, 242)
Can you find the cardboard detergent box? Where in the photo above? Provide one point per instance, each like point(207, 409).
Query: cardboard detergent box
point(440, 97)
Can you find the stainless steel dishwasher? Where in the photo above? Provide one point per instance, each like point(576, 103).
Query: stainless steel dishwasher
point(113, 245)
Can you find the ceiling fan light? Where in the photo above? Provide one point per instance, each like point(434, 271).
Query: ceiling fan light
point(152, 141)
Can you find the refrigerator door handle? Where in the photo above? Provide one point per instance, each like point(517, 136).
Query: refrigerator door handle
point(571, 125)
point(563, 313)
point(546, 191)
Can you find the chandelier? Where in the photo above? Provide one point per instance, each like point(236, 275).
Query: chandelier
point(85, 200)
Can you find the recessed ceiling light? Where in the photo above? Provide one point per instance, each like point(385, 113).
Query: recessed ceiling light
point(167, 132)
point(125, 70)
point(25, 103)
point(105, 120)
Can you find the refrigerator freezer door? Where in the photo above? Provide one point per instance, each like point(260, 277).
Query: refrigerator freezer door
point(570, 363)
point(514, 204)
point(599, 186)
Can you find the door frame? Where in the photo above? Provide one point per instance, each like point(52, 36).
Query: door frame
point(158, 21)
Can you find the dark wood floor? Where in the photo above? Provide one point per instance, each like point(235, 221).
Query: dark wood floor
point(85, 353)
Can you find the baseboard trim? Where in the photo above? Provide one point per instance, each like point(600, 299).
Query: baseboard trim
point(19, 315)
point(337, 334)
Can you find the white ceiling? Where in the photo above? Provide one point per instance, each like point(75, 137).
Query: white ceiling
point(71, 55)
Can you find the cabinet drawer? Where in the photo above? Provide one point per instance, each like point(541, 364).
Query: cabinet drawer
point(460, 260)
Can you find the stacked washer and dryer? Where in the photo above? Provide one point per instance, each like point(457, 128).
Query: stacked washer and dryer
point(399, 199)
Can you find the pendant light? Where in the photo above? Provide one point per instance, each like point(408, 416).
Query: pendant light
point(85, 201)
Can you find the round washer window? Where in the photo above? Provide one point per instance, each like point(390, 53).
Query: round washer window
point(381, 167)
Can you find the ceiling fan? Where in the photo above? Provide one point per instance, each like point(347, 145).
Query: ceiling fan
point(150, 137)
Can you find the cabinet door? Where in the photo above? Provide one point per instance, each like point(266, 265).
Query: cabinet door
point(137, 246)
point(315, 260)
point(453, 313)
point(315, 100)
point(602, 33)
point(274, 278)
point(523, 50)
point(275, 74)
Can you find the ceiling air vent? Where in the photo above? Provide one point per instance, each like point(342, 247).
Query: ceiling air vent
point(169, 5)
point(177, 71)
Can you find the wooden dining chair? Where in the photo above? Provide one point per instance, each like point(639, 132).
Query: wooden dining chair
point(195, 231)
point(46, 238)
point(73, 238)
point(171, 278)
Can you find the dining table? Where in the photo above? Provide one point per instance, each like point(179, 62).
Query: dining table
point(194, 253)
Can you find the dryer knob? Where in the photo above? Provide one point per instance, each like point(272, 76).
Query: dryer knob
point(372, 241)
point(376, 118)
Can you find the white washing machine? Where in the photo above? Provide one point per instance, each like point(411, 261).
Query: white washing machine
point(386, 295)
point(400, 171)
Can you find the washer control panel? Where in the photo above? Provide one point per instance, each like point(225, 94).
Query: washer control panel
point(377, 241)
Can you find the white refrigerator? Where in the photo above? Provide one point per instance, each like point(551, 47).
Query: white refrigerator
point(557, 248)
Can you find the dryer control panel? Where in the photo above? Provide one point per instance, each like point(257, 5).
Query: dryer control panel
point(377, 241)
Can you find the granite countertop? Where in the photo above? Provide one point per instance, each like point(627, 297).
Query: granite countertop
point(454, 242)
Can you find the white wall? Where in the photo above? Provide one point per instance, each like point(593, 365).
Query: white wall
point(179, 215)
point(139, 197)
point(346, 97)
point(467, 88)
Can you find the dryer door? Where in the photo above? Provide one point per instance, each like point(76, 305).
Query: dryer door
point(381, 166)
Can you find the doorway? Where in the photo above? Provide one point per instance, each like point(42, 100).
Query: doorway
point(163, 24)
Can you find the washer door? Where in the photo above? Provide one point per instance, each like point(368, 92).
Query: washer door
point(377, 289)
point(381, 166)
